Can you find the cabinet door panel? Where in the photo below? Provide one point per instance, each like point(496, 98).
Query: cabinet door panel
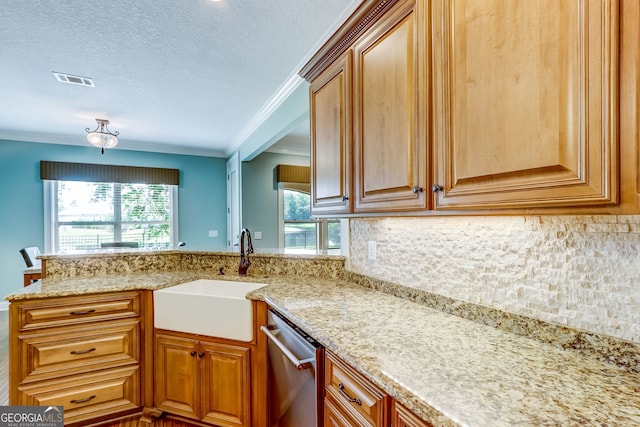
point(402, 417)
point(87, 396)
point(389, 106)
point(177, 369)
point(330, 104)
point(525, 102)
point(226, 387)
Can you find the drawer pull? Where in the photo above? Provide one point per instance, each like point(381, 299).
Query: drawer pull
point(83, 351)
point(193, 353)
point(80, 313)
point(86, 399)
point(349, 398)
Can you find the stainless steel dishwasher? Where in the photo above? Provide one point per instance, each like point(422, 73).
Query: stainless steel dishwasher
point(296, 366)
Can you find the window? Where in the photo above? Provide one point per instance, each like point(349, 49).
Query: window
point(92, 206)
point(81, 215)
point(301, 232)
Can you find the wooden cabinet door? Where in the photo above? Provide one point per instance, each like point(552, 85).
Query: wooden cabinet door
point(177, 389)
point(331, 138)
point(390, 93)
point(525, 103)
point(402, 417)
point(226, 388)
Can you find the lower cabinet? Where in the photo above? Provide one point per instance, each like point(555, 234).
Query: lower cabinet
point(85, 353)
point(203, 379)
point(86, 397)
point(351, 400)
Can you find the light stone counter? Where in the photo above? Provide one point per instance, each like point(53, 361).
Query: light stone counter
point(453, 371)
point(448, 370)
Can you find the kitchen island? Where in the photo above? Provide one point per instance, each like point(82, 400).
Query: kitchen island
point(448, 370)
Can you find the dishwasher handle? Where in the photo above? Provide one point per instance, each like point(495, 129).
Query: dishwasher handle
point(300, 365)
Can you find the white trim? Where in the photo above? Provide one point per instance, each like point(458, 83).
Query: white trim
point(47, 191)
point(145, 146)
point(269, 108)
point(345, 241)
point(289, 86)
point(281, 215)
point(234, 200)
point(175, 231)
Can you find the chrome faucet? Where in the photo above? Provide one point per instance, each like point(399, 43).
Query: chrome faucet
point(244, 259)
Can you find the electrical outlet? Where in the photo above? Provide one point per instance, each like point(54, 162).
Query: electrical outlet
point(213, 233)
point(257, 235)
point(371, 253)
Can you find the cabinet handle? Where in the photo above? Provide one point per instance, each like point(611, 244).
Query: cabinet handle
point(83, 351)
point(349, 398)
point(435, 188)
point(86, 399)
point(193, 353)
point(80, 313)
point(345, 198)
point(201, 354)
point(417, 189)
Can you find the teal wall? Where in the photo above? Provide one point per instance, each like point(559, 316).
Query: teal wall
point(260, 195)
point(202, 197)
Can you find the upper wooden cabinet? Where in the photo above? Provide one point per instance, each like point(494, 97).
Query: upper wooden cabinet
point(368, 113)
point(525, 103)
point(331, 116)
point(389, 112)
point(477, 105)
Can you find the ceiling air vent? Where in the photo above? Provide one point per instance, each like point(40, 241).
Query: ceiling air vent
point(74, 80)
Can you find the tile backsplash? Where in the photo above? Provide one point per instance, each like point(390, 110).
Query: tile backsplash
point(577, 271)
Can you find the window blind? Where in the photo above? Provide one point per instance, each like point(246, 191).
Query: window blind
point(89, 172)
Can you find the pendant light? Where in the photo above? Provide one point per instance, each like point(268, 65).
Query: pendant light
point(102, 137)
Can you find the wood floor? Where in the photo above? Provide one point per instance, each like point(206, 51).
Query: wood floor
point(4, 358)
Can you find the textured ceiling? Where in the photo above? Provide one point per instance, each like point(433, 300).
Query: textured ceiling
point(189, 76)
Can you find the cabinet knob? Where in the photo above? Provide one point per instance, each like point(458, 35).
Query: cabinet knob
point(435, 188)
point(193, 353)
point(417, 189)
point(345, 198)
point(201, 354)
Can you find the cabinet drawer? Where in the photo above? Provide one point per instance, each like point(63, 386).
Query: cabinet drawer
point(87, 396)
point(76, 310)
point(76, 350)
point(354, 393)
point(334, 417)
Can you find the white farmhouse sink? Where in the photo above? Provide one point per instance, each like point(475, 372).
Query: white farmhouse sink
point(215, 308)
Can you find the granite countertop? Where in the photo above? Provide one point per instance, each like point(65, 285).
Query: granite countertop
point(453, 371)
point(448, 370)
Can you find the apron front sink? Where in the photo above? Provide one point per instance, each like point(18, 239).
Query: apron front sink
point(214, 308)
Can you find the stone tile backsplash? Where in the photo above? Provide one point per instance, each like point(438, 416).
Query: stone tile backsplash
point(577, 271)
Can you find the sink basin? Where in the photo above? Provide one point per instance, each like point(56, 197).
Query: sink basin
point(215, 308)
